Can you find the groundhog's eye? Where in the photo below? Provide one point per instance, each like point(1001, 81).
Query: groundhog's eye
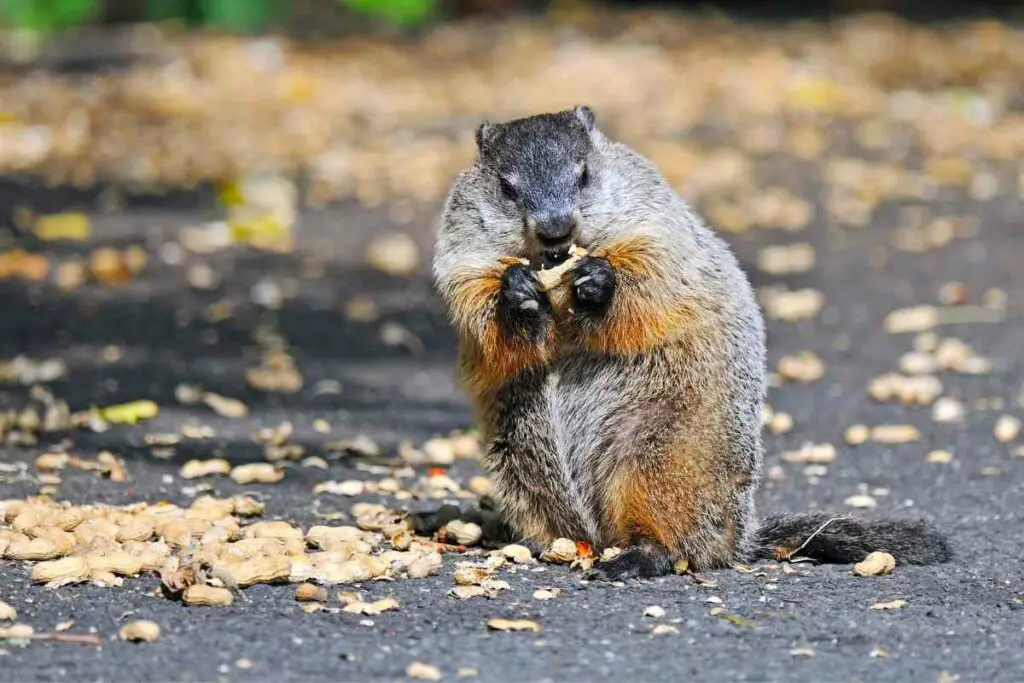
point(507, 190)
point(584, 178)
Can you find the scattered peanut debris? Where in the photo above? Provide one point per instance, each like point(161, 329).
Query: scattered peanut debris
point(655, 612)
point(140, 631)
point(1007, 428)
point(308, 592)
point(926, 317)
point(892, 604)
point(8, 613)
point(512, 625)
point(561, 551)
point(194, 469)
point(371, 608)
point(861, 500)
point(256, 473)
point(956, 355)
point(791, 306)
point(875, 564)
point(479, 485)
point(546, 593)
point(786, 259)
point(804, 366)
point(467, 592)
point(664, 630)
point(940, 457)
point(277, 372)
point(463, 533)
point(802, 652)
point(915, 319)
point(519, 554)
point(423, 672)
point(948, 409)
point(895, 434)
point(16, 631)
point(917, 363)
point(857, 434)
point(224, 406)
point(912, 390)
point(349, 488)
point(810, 453)
point(395, 254)
point(780, 423)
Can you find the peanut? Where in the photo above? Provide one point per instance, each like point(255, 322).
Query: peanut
point(64, 571)
point(273, 569)
point(34, 550)
point(121, 563)
point(207, 596)
point(257, 473)
point(140, 631)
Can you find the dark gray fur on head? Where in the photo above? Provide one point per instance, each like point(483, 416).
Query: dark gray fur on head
point(542, 157)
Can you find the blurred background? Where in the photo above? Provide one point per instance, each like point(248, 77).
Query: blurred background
point(240, 195)
point(216, 222)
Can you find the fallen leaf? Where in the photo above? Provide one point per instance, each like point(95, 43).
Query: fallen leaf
point(63, 226)
point(129, 413)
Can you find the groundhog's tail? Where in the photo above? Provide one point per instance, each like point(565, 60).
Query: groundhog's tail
point(839, 539)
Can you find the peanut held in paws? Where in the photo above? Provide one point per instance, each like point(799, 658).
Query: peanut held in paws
point(551, 278)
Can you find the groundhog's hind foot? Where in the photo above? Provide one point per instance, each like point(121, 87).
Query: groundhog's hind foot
point(635, 562)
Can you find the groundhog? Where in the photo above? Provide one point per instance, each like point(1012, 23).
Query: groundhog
point(628, 411)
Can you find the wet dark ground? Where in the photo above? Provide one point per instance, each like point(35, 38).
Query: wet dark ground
point(964, 618)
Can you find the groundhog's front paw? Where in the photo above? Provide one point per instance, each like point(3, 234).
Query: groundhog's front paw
point(523, 307)
point(593, 285)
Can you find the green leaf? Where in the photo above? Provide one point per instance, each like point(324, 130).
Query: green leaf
point(242, 15)
point(399, 12)
point(46, 15)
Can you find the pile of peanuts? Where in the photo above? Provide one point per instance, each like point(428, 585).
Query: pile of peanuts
point(208, 549)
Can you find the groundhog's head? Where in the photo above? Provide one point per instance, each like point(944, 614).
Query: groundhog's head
point(539, 172)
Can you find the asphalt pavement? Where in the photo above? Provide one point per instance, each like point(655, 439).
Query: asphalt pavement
point(962, 621)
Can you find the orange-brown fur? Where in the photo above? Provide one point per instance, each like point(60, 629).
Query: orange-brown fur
point(639, 317)
point(489, 356)
point(669, 499)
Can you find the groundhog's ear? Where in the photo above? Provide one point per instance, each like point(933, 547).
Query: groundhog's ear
point(483, 133)
point(586, 116)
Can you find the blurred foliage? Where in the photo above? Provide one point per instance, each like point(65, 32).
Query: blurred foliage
point(398, 12)
point(46, 15)
point(230, 15)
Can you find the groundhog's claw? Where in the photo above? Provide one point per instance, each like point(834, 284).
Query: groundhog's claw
point(523, 307)
point(593, 284)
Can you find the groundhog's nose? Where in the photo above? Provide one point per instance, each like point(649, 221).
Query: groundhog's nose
point(553, 227)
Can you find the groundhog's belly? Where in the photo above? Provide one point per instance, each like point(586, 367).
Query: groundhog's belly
point(585, 412)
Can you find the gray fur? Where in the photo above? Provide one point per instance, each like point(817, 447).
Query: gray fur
point(557, 433)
